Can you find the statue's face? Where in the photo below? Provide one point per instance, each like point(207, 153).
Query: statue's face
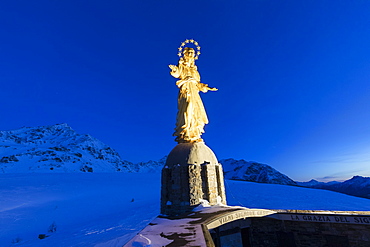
point(189, 53)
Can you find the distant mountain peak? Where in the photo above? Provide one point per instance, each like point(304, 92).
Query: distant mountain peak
point(253, 171)
point(27, 135)
point(56, 148)
point(357, 177)
point(356, 186)
point(59, 148)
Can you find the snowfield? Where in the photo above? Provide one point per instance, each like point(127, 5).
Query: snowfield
point(108, 209)
point(86, 208)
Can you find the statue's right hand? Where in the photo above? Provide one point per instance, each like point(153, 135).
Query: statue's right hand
point(173, 67)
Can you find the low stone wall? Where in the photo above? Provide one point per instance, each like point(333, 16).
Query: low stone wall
point(297, 228)
point(273, 232)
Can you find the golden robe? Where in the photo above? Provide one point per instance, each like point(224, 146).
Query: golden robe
point(191, 115)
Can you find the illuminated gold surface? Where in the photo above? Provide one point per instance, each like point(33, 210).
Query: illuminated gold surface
point(191, 115)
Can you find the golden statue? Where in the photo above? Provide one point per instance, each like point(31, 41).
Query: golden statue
point(191, 115)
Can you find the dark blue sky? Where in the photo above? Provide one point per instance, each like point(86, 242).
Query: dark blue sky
point(293, 77)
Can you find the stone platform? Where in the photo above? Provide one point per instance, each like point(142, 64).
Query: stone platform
point(191, 229)
point(238, 226)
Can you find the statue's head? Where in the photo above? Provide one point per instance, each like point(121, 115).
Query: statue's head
point(189, 52)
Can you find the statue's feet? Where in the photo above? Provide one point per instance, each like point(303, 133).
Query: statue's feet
point(199, 140)
point(182, 140)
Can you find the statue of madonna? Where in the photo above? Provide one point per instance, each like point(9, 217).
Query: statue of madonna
point(191, 115)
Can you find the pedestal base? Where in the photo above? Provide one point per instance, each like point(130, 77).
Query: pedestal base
point(191, 175)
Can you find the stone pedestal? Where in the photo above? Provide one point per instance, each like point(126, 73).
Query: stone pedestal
point(191, 174)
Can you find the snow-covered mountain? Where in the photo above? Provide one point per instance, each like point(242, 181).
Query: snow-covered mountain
point(254, 172)
point(56, 148)
point(356, 186)
point(233, 169)
point(150, 166)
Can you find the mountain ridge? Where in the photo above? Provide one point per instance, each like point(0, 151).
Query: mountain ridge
point(356, 186)
point(55, 148)
point(58, 148)
point(253, 172)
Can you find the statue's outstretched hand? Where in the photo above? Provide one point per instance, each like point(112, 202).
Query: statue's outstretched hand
point(173, 67)
point(205, 88)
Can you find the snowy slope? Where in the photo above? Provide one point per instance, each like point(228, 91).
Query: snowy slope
point(85, 208)
point(107, 209)
point(253, 171)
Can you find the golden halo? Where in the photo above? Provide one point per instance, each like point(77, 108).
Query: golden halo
point(183, 44)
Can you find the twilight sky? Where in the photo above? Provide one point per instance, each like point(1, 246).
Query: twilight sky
point(293, 77)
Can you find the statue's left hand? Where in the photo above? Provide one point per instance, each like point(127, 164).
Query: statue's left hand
point(206, 89)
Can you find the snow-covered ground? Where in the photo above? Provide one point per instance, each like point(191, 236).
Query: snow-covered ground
point(87, 208)
point(108, 209)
